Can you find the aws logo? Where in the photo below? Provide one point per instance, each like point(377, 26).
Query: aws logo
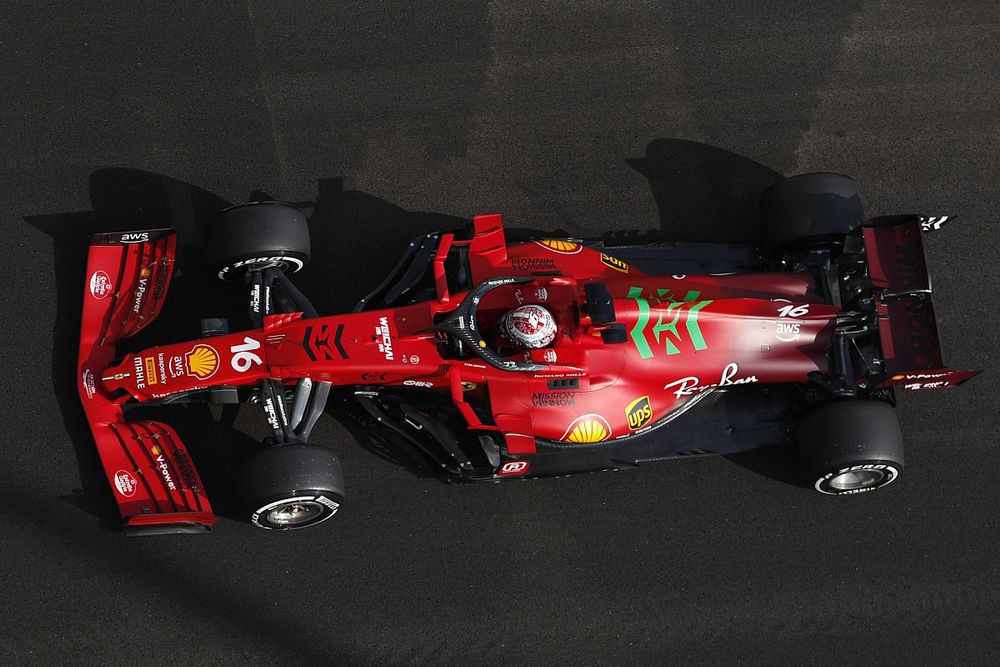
point(560, 246)
point(614, 263)
point(202, 361)
point(639, 413)
point(134, 237)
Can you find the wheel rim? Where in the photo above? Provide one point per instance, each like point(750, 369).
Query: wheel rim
point(857, 479)
point(295, 512)
point(285, 263)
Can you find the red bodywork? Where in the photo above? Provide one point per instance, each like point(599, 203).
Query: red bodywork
point(684, 335)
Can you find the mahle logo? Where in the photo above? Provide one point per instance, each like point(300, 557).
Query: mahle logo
point(639, 413)
point(670, 313)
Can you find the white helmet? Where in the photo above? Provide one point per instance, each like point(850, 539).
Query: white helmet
point(530, 326)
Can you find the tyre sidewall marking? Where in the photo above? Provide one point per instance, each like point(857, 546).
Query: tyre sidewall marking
point(330, 505)
point(889, 469)
point(295, 263)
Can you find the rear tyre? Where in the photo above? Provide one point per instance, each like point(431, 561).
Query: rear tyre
point(291, 486)
point(850, 446)
point(257, 235)
point(811, 210)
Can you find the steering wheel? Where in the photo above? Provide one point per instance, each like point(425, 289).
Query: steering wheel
point(461, 324)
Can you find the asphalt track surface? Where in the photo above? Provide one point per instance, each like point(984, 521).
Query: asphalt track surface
point(402, 118)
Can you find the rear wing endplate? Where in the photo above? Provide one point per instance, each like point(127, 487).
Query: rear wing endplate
point(911, 348)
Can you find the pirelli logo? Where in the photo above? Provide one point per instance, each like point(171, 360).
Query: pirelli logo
point(150, 365)
point(614, 263)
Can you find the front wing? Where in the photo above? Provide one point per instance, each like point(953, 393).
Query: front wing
point(153, 480)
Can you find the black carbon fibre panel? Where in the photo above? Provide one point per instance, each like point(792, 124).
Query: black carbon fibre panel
point(726, 422)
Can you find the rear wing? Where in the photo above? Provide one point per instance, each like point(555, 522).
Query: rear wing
point(150, 472)
point(908, 330)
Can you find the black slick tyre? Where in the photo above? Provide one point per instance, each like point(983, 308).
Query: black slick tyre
point(256, 236)
point(811, 210)
point(851, 446)
point(291, 486)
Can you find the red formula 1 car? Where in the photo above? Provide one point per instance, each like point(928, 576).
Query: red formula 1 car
point(654, 351)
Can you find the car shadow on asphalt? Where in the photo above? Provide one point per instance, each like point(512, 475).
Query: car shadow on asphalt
point(703, 193)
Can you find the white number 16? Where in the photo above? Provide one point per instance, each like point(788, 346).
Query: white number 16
point(794, 311)
point(243, 358)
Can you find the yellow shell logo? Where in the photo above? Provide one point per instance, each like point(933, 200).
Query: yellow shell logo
point(560, 246)
point(586, 429)
point(202, 361)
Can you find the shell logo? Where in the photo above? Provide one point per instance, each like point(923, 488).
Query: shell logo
point(587, 429)
point(202, 361)
point(560, 246)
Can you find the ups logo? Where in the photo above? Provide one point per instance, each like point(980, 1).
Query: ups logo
point(639, 413)
point(614, 263)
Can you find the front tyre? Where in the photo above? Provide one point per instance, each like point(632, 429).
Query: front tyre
point(851, 446)
point(291, 486)
point(256, 236)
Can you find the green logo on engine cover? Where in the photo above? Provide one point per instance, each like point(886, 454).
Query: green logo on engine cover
point(668, 312)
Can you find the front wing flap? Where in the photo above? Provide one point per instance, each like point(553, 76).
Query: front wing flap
point(150, 472)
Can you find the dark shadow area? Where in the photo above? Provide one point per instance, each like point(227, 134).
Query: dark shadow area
point(776, 462)
point(356, 240)
point(376, 439)
point(704, 193)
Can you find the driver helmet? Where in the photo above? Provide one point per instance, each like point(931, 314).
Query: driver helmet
point(529, 326)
